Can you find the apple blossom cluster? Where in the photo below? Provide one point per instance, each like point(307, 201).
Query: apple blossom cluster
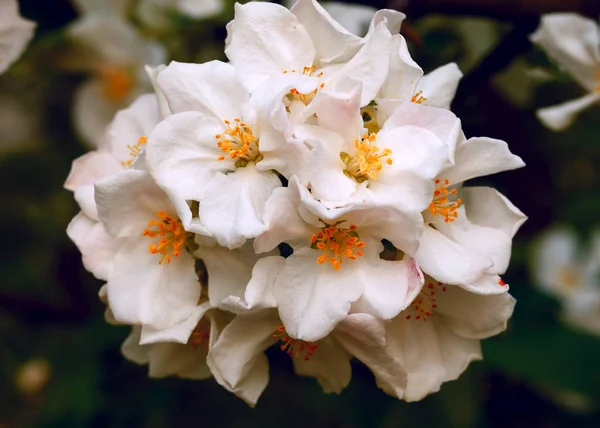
point(308, 194)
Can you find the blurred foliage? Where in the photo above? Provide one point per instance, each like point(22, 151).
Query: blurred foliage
point(539, 373)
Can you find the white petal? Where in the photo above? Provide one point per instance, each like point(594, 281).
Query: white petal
point(471, 315)
point(233, 204)
point(572, 41)
point(229, 271)
point(163, 105)
point(481, 156)
point(15, 33)
point(140, 291)
point(330, 365)
point(447, 261)
point(290, 227)
point(237, 360)
point(403, 75)
point(439, 86)
point(561, 116)
point(200, 9)
point(91, 167)
point(266, 39)
point(488, 207)
point(314, 298)
point(137, 120)
point(127, 201)
point(325, 168)
point(178, 333)
point(430, 354)
point(333, 43)
point(258, 294)
point(209, 88)
point(364, 337)
point(182, 155)
point(97, 247)
point(174, 359)
point(393, 287)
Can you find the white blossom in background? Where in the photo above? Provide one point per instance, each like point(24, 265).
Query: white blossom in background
point(15, 33)
point(568, 270)
point(115, 54)
point(309, 195)
point(574, 43)
point(158, 13)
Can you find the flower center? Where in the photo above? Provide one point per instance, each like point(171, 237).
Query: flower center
point(368, 160)
point(201, 334)
point(424, 304)
point(441, 205)
point(294, 347)
point(135, 150)
point(169, 235)
point(337, 243)
point(306, 99)
point(418, 98)
point(117, 83)
point(239, 143)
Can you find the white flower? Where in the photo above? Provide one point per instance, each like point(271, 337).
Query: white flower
point(116, 56)
point(573, 42)
point(468, 231)
point(152, 279)
point(336, 261)
point(308, 46)
point(566, 271)
point(123, 142)
point(438, 336)
point(395, 165)
point(211, 150)
point(239, 364)
point(15, 33)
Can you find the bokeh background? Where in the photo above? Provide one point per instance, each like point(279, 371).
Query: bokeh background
point(60, 364)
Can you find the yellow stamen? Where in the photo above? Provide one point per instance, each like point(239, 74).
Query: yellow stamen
point(135, 150)
point(169, 234)
point(441, 205)
point(238, 143)
point(368, 160)
point(306, 98)
point(337, 244)
point(294, 347)
point(418, 98)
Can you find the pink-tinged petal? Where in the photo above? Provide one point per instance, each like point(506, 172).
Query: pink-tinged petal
point(237, 360)
point(481, 156)
point(97, 247)
point(448, 261)
point(313, 298)
point(266, 39)
point(85, 198)
point(474, 316)
point(91, 167)
point(572, 41)
point(364, 337)
point(209, 88)
point(439, 86)
point(329, 364)
point(127, 201)
point(233, 204)
point(488, 207)
point(561, 116)
point(142, 291)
